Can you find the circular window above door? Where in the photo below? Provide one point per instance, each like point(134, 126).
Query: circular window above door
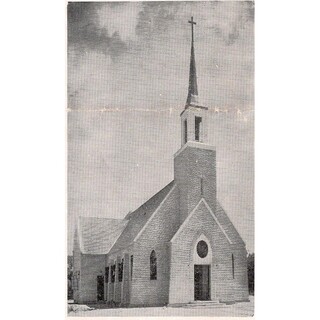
point(202, 249)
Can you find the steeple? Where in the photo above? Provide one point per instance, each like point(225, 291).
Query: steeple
point(192, 99)
point(194, 116)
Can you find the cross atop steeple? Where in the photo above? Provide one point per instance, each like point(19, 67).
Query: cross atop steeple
point(192, 98)
point(192, 23)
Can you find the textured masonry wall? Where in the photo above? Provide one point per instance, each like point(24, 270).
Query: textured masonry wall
point(91, 267)
point(223, 286)
point(175, 267)
point(146, 292)
point(156, 236)
point(190, 166)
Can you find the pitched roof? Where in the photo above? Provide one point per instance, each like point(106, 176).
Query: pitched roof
point(137, 219)
point(227, 225)
point(103, 235)
point(221, 218)
point(97, 235)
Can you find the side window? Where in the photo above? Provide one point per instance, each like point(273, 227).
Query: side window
point(113, 273)
point(120, 271)
point(153, 266)
point(107, 274)
point(232, 257)
point(131, 260)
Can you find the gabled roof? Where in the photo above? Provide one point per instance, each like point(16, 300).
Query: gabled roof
point(227, 225)
point(103, 235)
point(97, 235)
point(221, 219)
point(137, 219)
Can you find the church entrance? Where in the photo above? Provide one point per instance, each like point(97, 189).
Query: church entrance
point(201, 282)
point(100, 288)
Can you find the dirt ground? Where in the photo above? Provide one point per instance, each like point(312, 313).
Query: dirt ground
point(243, 309)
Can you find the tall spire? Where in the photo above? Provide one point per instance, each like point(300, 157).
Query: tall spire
point(194, 116)
point(192, 99)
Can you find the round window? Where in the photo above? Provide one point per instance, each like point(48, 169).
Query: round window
point(202, 249)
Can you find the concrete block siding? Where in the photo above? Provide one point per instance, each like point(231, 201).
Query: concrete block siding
point(185, 211)
point(91, 267)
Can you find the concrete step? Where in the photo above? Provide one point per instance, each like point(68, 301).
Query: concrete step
point(204, 303)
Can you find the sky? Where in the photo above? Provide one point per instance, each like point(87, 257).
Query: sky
point(128, 65)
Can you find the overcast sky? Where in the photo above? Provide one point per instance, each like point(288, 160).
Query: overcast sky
point(127, 84)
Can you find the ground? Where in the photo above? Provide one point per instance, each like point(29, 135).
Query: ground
point(243, 309)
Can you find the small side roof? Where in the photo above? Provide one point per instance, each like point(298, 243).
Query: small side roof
point(97, 235)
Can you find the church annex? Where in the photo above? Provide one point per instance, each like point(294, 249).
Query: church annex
point(176, 248)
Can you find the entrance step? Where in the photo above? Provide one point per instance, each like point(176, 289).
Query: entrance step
point(204, 303)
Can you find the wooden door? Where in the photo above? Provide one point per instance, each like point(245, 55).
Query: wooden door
point(201, 282)
point(100, 288)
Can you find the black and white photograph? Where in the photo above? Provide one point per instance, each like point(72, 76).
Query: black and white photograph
point(160, 158)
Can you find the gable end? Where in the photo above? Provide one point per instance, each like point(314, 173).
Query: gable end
point(192, 213)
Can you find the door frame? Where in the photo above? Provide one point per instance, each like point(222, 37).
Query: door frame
point(103, 286)
point(209, 281)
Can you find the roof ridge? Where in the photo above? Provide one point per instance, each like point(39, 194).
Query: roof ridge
point(213, 214)
point(230, 224)
point(154, 196)
point(138, 218)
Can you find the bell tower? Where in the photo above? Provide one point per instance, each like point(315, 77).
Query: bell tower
point(193, 117)
point(195, 161)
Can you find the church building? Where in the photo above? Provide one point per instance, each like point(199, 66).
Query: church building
point(179, 247)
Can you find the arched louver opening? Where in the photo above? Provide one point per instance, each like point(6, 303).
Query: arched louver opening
point(153, 266)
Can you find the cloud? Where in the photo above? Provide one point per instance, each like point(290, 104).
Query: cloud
point(120, 17)
point(156, 17)
point(230, 18)
point(136, 55)
point(85, 33)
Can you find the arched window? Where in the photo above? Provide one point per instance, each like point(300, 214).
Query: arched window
point(153, 266)
point(120, 271)
point(232, 259)
point(113, 273)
